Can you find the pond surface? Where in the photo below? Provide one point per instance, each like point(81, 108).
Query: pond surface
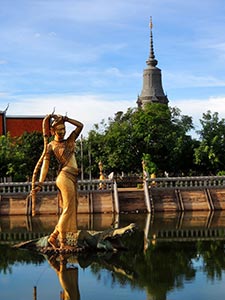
point(171, 256)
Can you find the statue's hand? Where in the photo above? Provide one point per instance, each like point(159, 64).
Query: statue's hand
point(36, 189)
point(47, 118)
point(57, 118)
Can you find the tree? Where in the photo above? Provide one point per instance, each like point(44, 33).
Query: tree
point(157, 130)
point(210, 155)
point(94, 149)
point(5, 154)
point(19, 155)
point(121, 152)
point(162, 133)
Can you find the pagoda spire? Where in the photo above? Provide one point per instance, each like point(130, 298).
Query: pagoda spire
point(152, 91)
point(151, 60)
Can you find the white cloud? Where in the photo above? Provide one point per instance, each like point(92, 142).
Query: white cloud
point(200, 106)
point(89, 109)
point(196, 107)
point(185, 79)
point(92, 109)
point(99, 47)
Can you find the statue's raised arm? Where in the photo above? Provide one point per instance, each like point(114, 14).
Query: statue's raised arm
point(79, 126)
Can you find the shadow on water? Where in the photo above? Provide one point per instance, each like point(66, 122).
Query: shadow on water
point(162, 257)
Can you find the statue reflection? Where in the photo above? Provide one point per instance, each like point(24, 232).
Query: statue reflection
point(68, 277)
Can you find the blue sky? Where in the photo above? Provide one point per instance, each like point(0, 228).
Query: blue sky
point(86, 57)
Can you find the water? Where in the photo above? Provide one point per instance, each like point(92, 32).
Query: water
point(184, 259)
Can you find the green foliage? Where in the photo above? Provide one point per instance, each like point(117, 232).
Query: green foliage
point(5, 151)
point(149, 165)
point(157, 131)
point(221, 173)
point(19, 155)
point(210, 155)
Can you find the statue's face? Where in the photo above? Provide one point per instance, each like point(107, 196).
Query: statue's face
point(60, 132)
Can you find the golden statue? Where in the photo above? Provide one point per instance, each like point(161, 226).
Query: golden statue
point(66, 181)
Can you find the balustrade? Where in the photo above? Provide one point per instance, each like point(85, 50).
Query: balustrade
point(95, 184)
point(187, 182)
point(8, 188)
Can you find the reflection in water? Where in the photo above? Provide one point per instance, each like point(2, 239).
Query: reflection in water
point(164, 268)
point(68, 277)
point(177, 248)
point(121, 268)
point(151, 224)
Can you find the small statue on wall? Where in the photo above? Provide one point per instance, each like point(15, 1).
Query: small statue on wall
point(102, 185)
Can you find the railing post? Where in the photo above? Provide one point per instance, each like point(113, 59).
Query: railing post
point(116, 198)
point(147, 198)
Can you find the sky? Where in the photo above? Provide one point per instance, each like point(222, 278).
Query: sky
point(85, 58)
